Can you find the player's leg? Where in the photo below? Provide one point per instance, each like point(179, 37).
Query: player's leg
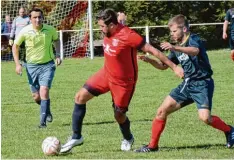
point(217, 123)
point(177, 98)
point(202, 95)
point(81, 98)
point(122, 96)
point(168, 106)
point(94, 86)
point(45, 78)
point(34, 86)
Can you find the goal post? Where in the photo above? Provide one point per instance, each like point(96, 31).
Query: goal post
point(90, 29)
point(73, 20)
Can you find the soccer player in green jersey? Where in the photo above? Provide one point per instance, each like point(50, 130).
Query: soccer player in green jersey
point(198, 85)
point(40, 66)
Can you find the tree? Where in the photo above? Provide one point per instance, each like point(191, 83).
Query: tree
point(141, 13)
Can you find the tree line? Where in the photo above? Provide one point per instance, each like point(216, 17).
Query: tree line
point(151, 13)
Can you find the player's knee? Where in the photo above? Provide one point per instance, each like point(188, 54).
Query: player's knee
point(79, 98)
point(82, 96)
point(120, 114)
point(161, 113)
point(120, 117)
point(44, 92)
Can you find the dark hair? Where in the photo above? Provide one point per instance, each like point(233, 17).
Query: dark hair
point(108, 16)
point(35, 10)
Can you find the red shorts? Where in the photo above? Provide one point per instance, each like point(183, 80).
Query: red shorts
point(100, 84)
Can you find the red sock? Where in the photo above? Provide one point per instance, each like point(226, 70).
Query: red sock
point(157, 128)
point(217, 123)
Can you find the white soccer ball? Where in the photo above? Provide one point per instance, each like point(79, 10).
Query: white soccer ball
point(51, 146)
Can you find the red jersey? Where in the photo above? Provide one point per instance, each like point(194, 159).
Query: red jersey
point(120, 52)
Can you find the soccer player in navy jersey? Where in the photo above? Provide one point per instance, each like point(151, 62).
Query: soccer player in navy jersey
point(198, 85)
point(119, 76)
point(229, 18)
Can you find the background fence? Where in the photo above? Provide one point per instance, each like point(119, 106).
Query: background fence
point(153, 34)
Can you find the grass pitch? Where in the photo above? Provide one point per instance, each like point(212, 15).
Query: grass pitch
point(184, 136)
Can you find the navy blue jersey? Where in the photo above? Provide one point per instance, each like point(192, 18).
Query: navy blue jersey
point(230, 18)
point(195, 67)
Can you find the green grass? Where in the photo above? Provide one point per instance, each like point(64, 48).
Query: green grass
point(184, 136)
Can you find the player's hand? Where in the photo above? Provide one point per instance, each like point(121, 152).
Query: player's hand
point(58, 61)
point(144, 58)
point(179, 71)
point(18, 69)
point(11, 42)
point(224, 35)
point(232, 56)
point(167, 46)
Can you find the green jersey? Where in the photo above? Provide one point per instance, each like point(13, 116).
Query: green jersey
point(38, 44)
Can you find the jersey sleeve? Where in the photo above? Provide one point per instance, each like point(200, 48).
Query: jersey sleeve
point(20, 38)
point(228, 16)
point(173, 58)
point(54, 34)
point(194, 41)
point(13, 28)
point(135, 40)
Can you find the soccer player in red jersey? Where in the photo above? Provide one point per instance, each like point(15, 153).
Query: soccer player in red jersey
point(119, 76)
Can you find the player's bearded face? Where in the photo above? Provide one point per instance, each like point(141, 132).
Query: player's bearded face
point(104, 28)
point(176, 33)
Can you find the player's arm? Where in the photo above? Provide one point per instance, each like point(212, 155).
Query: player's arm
point(153, 62)
point(56, 46)
point(18, 67)
point(227, 19)
point(225, 27)
point(15, 49)
point(192, 51)
point(57, 50)
point(150, 49)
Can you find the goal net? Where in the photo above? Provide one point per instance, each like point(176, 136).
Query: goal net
point(69, 17)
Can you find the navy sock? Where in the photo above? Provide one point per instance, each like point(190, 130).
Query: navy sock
point(125, 129)
point(44, 109)
point(77, 120)
point(48, 108)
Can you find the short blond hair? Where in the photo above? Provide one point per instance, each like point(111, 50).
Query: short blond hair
point(180, 20)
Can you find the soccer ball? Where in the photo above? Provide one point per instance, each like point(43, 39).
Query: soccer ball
point(51, 146)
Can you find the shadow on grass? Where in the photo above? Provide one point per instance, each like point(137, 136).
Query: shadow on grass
point(12, 104)
point(162, 149)
point(203, 146)
point(108, 122)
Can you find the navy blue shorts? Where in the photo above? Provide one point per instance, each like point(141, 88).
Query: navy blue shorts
point(40, 75)
point(198, 91)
